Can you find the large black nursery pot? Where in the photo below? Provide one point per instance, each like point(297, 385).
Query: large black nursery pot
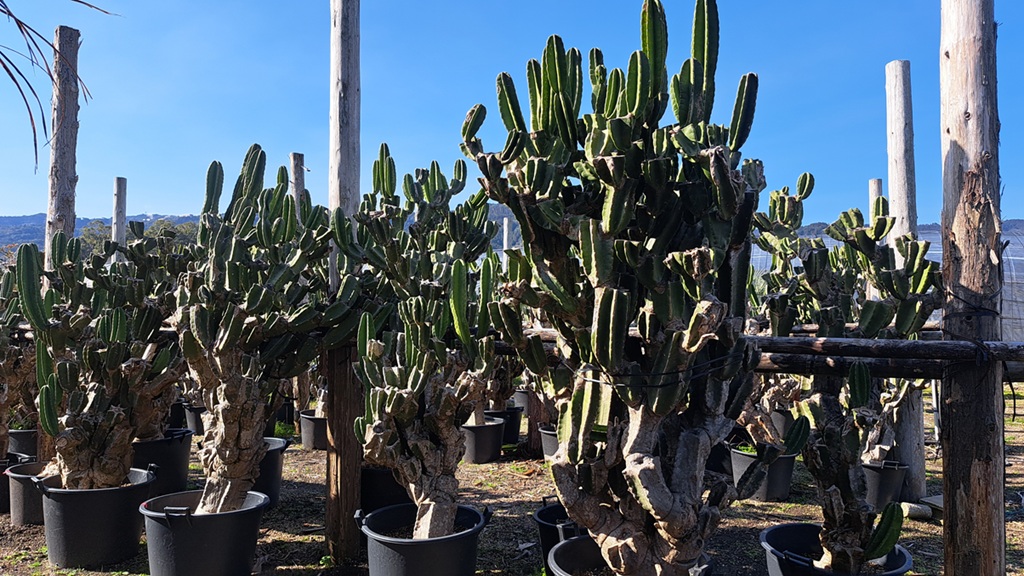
point(521, 398)
point(775, 486)
point(513, 417)
point(176, 416)
point(271, 469)
point(579, 554)
point(548, 518)
point(180, 542)
point(26, 499)
point(884, 482)
point(314, 430)
point(93, 527)
point(22, 442)
point(790, 550)
point(378, 489)
point(483, 442)
point(194, 419)
point(452, 555)
point(170, 455)
point(12, 459)
point(548, 440)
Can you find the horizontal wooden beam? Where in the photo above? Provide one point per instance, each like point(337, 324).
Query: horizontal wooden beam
point(907, 349)
point(827, 365)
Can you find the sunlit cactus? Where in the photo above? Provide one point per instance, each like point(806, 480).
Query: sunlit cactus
point(637, 247)
point(255, 308)
point(426, 371)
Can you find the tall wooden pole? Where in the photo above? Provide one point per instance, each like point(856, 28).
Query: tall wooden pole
point(974, 534)
point(909, 445)
point(118, 223)
point(298, 179)
point(60, 214)
point(874, 191)
point(344, 395)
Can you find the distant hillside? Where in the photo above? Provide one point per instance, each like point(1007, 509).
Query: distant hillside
point(29, 229)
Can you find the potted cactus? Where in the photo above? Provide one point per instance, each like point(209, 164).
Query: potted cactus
point(102, 362)
point(627, 222)
point(424, 371)
point(253, 311)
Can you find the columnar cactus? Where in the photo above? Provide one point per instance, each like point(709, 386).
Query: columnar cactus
point(628, 223)
point(101, 354)
point(17, 360)
point(852, 423)
point(426, 372)
point(253, 310)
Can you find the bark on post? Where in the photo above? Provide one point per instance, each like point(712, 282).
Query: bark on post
point(909, 443)
point(974, 533)
point(298, 181)
point(874, 192)
point(60, 214)
point(119, 224)
point(344, 454)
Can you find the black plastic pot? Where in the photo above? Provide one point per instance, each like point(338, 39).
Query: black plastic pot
point(182, 543)
point(286, 413)
point(790, 550)
point(720, 459)
point(548, 517)
point(314, 430)
point(194, 418)
point(548, 440)
point(12, 459)
point(271, 468)
point(26, 499)
point(380, 489)
point(452, 555)
point(93, 527)
point(884, 482)
point(271, 427)
point(513, 418)
point(782, 420)
point(176, 416)
point(483, 442)
point(170, 454)
point(22, 442)
point(775, 486)
point(574, 556)
point(521, 398)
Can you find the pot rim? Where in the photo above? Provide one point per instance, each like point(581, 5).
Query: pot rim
point(151, 513)
point(50, 490)
point(482, 519)
point(906, 567)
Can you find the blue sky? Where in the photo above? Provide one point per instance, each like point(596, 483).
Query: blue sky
point(178, 84)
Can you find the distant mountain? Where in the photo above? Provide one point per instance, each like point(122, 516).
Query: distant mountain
point(29, 229)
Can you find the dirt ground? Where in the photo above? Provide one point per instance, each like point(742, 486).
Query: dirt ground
point(292, 541)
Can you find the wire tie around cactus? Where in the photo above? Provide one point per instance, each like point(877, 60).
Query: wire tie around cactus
point(708, 366)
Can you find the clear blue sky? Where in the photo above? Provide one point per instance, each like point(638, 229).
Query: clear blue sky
point(176, 84)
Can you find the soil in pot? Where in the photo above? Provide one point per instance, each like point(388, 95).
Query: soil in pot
point(483, 442)
point(790, 550)
point(581, 556)
point(452, 555)
point(170, 454)
point(180, 542)
point(271, 468)
point(513, 418)
point(314, 430)
point(884, 482)
point(26, 499)
point(775, 486)
point(93, 527)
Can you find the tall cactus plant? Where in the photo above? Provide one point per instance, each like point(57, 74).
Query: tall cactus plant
point(253, 310)
point(17, 359)
point(811, 282)
point(424, 372)
point(627, 222)
point(102, 356)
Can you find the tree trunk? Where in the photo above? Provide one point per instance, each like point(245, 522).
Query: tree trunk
point(345, 98)
point(973, 473)
point(60, 214)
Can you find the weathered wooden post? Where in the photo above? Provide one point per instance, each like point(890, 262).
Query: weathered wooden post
point(909, 446)
point(297, 185)
point(60, 214)
point(118, 223)
point(874, 193)
point(344, 396)
point(974, 533)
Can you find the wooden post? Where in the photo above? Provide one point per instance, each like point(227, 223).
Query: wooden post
point(909, 441)
point(60, 214)
point(300, 384)
point(119, 223)
point(344, 455)
point(974, 532)
point(298, 181)
point(874, 191)
point(504, 243)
